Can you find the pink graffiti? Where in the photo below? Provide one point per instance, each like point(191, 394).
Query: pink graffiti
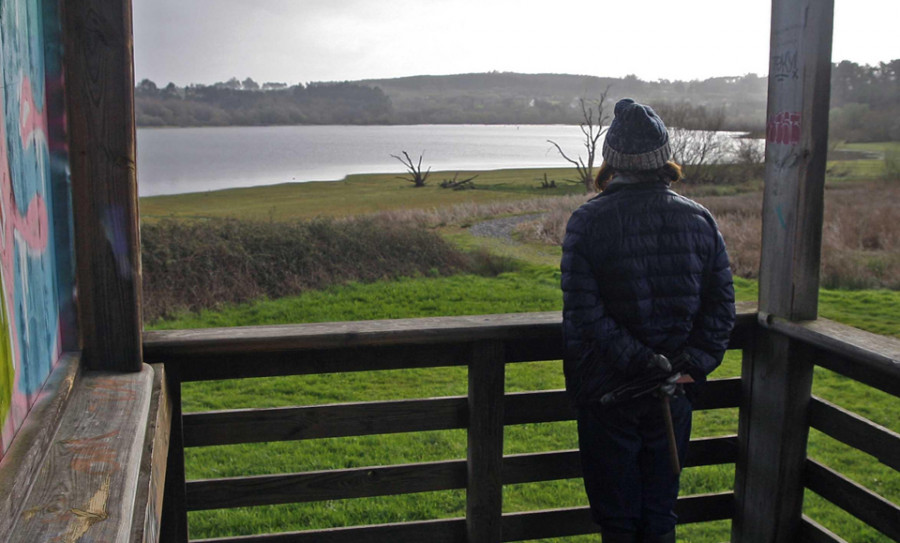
point(31, 119)
point(784, 128)
point(32, 227)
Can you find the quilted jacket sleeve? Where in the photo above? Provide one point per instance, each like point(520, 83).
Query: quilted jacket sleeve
point(585, 312)
point(712, 326)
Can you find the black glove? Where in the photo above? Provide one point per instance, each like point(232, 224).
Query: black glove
point(660, 363)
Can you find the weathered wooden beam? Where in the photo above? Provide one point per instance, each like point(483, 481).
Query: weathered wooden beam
point(324, 421)
point(432, 531)
point(778, 375)
point(555, 405)
point(484, 489)
point(24, 459)
point(231, 427)
point(526, 337)
point(325, 485)
point(854, 498)
point(87, 485)
point(242, 365)
point(371, 481)
point(577, 520)
point(870, 358)
point(553, 465)
point(152, 476)
point(856, 431)
point(813, 532)
point(516, 526)
point(99, 76)
point(174, 521)
point(172, 345)
point(796, 149)
point(773, 436)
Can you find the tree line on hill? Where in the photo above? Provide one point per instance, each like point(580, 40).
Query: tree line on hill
point(249, 104)
point(865, 100)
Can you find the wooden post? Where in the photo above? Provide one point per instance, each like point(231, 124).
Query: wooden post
point(796, 149)
point(174, 521)
point(99, 79)
point(773, 425)
point(484, 490)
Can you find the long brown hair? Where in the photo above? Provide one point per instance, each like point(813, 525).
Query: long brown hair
point(670, 172)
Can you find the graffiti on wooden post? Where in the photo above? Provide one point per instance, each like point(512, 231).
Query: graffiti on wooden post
point(784, 128)
point(30, 294)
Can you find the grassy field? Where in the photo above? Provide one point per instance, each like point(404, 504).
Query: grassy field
point(531, 289)
point(532, 286)
point(355, 195)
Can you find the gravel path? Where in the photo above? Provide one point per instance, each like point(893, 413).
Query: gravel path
point(501, 228)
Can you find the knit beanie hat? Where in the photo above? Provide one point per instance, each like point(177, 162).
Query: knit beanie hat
point(637, 138)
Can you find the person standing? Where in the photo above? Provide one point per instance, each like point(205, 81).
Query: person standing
point(647, 297)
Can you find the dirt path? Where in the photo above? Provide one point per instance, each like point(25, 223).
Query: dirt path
point(501, 228)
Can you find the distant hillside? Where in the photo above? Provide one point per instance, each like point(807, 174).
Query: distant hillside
point(865, 101)
point(503, 97)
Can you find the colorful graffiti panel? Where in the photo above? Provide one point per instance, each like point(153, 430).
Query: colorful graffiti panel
point(30, 303)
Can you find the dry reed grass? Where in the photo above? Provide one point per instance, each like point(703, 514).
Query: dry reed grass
point(196, 265)
point(861, 235)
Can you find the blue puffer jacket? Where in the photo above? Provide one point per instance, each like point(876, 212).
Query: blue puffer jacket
point(644, 270)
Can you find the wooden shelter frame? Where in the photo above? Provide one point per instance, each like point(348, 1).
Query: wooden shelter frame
point(129, 382)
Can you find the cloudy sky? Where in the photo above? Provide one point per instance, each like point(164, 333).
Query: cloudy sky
point(298, 41)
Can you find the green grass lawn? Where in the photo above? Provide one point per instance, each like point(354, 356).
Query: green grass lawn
point(869, 168)
point(533, 288)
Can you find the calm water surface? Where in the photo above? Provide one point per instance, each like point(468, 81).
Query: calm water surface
point(179, 160)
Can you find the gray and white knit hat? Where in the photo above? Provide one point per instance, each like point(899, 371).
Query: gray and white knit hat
point(637, 138)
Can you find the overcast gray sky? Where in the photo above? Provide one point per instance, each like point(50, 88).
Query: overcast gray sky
point(298, 41)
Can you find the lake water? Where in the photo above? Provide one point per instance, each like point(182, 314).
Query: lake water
point(179, 160)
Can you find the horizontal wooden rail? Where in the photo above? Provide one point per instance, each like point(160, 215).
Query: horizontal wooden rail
point(577, 520)
point(325, 485)
point(433, 531)
point(855, 431)
point(857, 500)
point(863, 356)
point(812, 532)
point(324, 421)
point(516, 526)
point(367, 418)
point(404, 479)
point(269, 351)
point(174, 345)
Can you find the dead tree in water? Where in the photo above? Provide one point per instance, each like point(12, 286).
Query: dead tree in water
point(415, 170)
point(592, 128)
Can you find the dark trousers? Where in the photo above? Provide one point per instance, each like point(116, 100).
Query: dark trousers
point(627, 470)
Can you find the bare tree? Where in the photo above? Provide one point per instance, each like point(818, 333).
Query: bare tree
point(694, 139)
point(417, 177)
point(592, 127)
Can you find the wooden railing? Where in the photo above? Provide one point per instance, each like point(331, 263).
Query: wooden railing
point(484, 344)
point(874, 361)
